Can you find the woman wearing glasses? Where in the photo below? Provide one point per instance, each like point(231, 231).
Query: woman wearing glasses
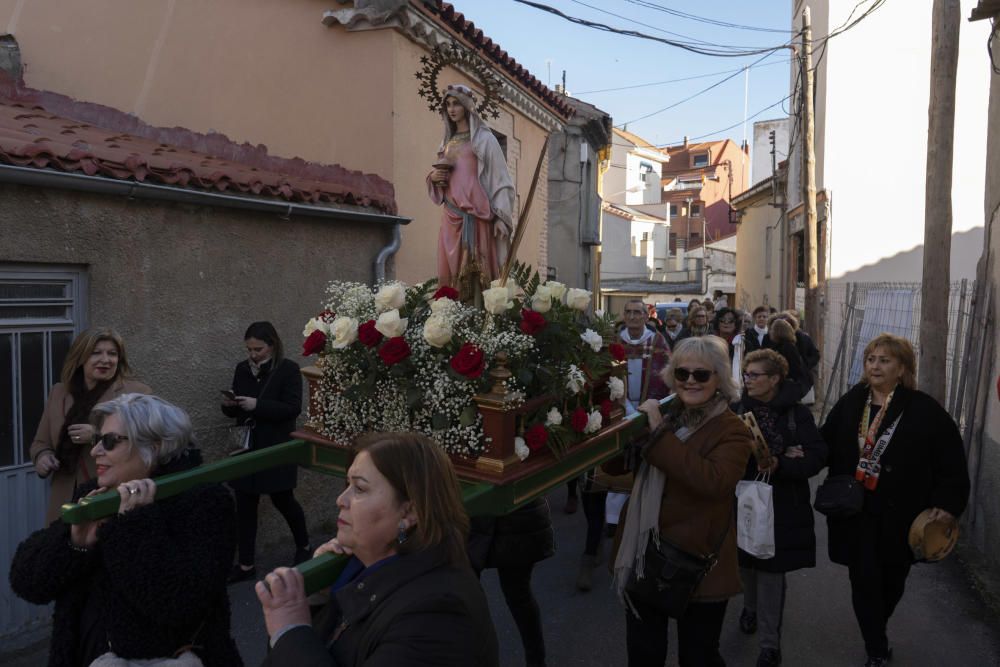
point(96, 369)
point(150, 581)
point(795, 452)
point(683, 491)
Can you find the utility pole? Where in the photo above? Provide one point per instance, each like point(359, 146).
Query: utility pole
point(812, 326)
point(935, 283)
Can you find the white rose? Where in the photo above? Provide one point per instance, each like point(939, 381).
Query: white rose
point(593, 339)
point(599, 312)
point(437, 331)
point(541, 302)
point(313, 325)
point(557, 289)
point(390, 325)
point(511, 287)
point(496, 300)
point(390, 297)
point(616, 388)
point(344, 331)
point(521, 448)
point(442, 305)
point(553, 418)
point(577, 298)
point(593, 422)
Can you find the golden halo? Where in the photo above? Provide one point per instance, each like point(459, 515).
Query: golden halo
point(453, 54)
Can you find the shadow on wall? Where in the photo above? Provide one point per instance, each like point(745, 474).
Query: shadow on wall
point(907, 266)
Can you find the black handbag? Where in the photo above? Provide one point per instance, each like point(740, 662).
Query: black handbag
point(671, 576)
point(840, 496)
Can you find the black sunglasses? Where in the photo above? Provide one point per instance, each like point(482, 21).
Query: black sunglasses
point(700, 375)
point(109, 440)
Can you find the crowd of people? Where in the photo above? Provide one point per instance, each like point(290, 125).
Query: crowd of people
point(150, 583)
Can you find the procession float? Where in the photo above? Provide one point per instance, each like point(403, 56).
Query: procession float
point(518, 379)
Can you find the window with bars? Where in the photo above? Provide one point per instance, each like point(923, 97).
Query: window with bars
point(41, 311)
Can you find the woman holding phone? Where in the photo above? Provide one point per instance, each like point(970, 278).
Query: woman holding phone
point(267, 396)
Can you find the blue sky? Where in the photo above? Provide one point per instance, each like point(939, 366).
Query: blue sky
point(596, 60)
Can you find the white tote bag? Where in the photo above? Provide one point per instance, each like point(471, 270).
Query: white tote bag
point(755, 517)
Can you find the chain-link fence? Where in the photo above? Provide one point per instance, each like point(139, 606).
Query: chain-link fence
point(857, 312)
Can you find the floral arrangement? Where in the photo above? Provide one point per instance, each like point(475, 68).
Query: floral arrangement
point(412, 358)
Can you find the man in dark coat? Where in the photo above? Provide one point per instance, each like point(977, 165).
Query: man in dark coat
point(755, 338)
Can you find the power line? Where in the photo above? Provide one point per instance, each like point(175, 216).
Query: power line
point(702, 19)
point(720, 52)
point(686, 78)
point(726, 129)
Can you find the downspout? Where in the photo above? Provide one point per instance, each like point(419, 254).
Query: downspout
point(387, 252)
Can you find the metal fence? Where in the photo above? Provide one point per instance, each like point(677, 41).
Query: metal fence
point(857, 312)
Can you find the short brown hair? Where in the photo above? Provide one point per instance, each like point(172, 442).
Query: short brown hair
point(84, 345)
point(898, 348)
point(419, 472)
point(781, 331)
point(771, 360)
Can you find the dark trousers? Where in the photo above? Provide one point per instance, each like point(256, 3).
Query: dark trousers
point(593, 510)
point(876, 589)
point(515, 582)
point(698, 632)
point(246, 513)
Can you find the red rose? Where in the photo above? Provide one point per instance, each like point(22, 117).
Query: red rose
point(314, 343)
point(369, 335)
point(617, 351)
point(446, 293)
point(606, 407)
point(468, 361)
point(532, 322)
point(536, 437)
point(579, 420)
point(394, 350)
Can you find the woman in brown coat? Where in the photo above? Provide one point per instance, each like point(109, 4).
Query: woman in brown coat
point(684, 490)
point(96, 370)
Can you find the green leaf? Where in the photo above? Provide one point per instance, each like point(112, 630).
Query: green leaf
point(468, 416)
point(414, 397)
point(398, 370)
point(440, 421)
point(525, 376)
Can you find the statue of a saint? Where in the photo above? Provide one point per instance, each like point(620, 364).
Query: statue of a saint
point(471, 180)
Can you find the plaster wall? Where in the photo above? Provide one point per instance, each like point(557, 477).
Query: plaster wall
point(617, 260)
point(872, 97)
point(760, 156)
point(268, 73)
point(758, 281)
point(182, 283)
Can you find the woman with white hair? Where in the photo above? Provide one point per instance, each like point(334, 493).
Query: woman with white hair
point(683, 495)
point(150, 581)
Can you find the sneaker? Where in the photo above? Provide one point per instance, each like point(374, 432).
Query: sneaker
point(748, 622)
point(238, 574)
point(879, 662)
point(769, 657)
point(302, 555)
point(572, 503)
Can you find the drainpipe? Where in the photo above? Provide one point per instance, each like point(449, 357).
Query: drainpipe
point(387, 252)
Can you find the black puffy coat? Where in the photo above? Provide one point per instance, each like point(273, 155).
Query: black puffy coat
point(784, 424)
point(278, 405)
point(523, 537)
point(923, 467)
point(414, 611)
point(156, 578)
point(797, 371)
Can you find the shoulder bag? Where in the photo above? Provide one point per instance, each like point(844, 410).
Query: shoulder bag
point(671, 575)
point(241, 435)
point(840, 496)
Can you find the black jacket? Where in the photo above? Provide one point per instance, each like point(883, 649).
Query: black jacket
point(414, 611)
point(807, 350)
point(750, 342)
point(156, 578)
point(797, 372)
point(784, 424)
point(523, 537)
point(274, 417)
point(923, 467)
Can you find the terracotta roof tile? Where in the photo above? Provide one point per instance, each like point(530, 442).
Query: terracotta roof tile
point(48, 138)
point(447, 14)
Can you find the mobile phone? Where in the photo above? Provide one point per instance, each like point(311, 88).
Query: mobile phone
point(229, 393)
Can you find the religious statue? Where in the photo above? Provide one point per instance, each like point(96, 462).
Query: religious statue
point(471, 182)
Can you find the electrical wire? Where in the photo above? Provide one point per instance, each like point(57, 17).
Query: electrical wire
point(717, 51)
point(702, 19)
point(686, 78)
point(726, 129)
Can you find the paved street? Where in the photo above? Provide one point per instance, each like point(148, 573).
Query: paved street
point(941, 620)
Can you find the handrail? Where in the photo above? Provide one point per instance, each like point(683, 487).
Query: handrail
point(478, 497)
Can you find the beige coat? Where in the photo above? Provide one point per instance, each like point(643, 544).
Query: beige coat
point(700, 494)
point(65, 481)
